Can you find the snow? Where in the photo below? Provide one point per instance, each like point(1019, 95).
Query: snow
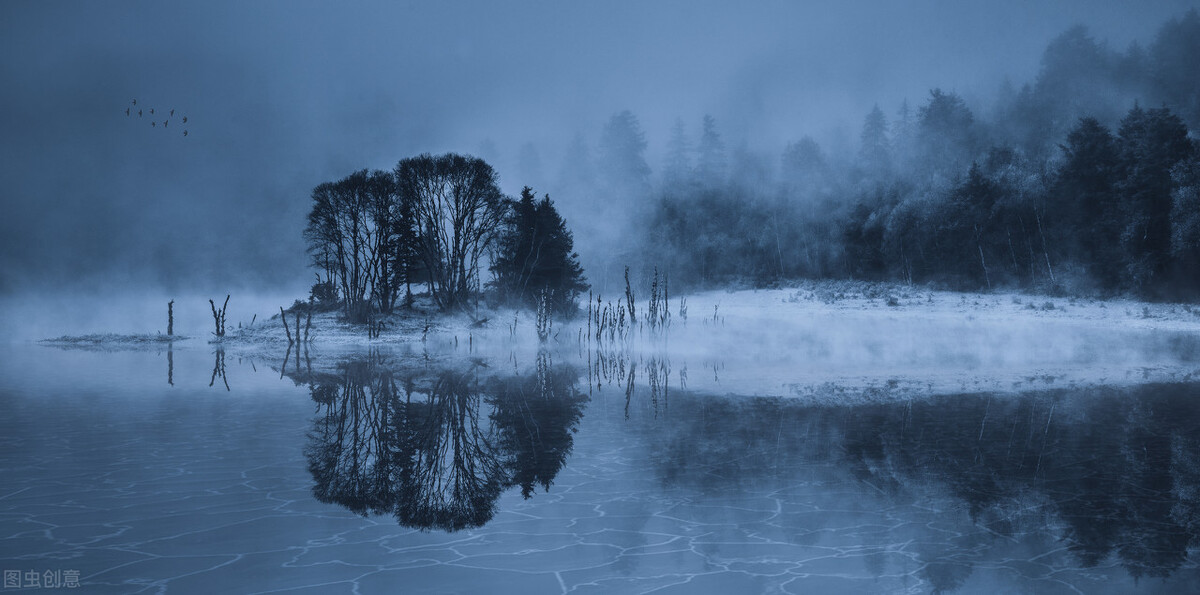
point(113, 340)
point(816, 341)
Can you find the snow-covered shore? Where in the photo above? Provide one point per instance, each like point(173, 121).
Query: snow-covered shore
point(806, 341)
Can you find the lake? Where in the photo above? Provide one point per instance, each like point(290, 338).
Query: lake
point(397, 470)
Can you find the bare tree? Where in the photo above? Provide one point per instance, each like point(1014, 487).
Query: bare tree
point(352, 231)
point(457, 209)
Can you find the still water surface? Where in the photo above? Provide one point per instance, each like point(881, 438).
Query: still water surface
point(384, 471)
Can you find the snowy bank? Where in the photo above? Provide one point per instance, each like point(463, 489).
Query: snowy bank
point(819, 341)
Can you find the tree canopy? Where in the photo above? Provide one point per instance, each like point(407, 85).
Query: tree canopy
point(457, 210)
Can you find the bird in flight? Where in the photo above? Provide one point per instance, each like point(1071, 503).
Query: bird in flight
point(153, 123)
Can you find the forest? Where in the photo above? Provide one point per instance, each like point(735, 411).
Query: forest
point(1084, 181)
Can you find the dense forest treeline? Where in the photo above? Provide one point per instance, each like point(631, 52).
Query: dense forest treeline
point(1082, 181)
point(1111, 473)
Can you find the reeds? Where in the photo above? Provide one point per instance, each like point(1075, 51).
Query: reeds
point(629, 299)
point(659, 316)
point(611, 322)
point(619, 368)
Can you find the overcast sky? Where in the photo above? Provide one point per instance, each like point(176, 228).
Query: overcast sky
point(281, 96)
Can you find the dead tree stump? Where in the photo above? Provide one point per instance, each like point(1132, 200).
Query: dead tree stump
point(219, 316)
point(283, 319)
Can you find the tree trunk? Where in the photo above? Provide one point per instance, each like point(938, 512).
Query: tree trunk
point(987, 279)
point(283, 319)
point(1045, 252)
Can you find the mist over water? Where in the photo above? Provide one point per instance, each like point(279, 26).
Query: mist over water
point(47, 315)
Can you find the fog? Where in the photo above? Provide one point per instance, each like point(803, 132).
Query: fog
point(281, 96)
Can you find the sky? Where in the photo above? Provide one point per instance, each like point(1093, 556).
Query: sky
point(281, 96)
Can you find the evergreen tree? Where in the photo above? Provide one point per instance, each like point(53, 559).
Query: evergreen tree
point(1173, 57)
point(1083, 202)
point(1076, 79)
point(1152, 142)
point(946, 133)
point(902, 127)
point(622, 154)
point(875, 152)
point(1185, 220)
point(804, 169)
point(678, 168)
point(537, 253)
point(711, 166)
point(965, 227)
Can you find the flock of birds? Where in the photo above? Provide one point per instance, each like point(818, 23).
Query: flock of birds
point(154, 123)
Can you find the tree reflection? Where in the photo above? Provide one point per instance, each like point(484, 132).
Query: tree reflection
point(537, 417)
point(1105, 462)
point(436, 448)
point(1112, 472)
point(449, 468)
point(218, 369)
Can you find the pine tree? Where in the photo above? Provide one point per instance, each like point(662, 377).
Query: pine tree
point(946, 133)
point(875, 151)
point(537, 253)
point(622, 154)
point(1173, 58)
point(678, 167)
point(1083, 202)
point(1185, 219)
point(1152, 142)
point(711, 166)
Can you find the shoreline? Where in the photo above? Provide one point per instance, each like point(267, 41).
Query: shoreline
point(821, 298)
point(851, 342)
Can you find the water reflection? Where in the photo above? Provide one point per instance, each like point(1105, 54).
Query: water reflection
point(1065, 490)
point(296, 371)
point(218, 367)
point(436, 447)
point(1109, 472)
point(615, 367)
